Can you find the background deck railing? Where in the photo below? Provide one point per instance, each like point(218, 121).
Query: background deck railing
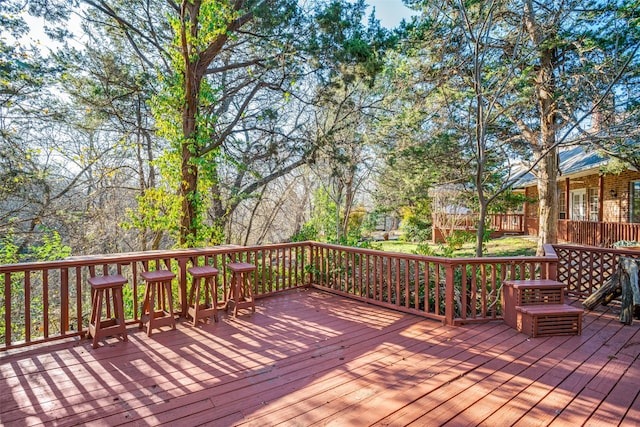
point(51, 300)
point(498, 222)
point(593, 233)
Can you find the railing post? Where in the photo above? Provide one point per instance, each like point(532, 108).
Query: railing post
point(551, 270)
point(312, 263)
point(449, 294)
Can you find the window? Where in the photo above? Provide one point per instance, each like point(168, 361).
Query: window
point(594, 204)
point(634, 202)
point(562, 206)
point(578, 205)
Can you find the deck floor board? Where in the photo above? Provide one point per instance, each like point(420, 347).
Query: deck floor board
point(311, 358)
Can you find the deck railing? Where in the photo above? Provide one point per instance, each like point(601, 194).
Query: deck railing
point(498, 222)
point(584, 269)
point(452, 290)
point(593, 233)
point(45, 301)
point(50, 300)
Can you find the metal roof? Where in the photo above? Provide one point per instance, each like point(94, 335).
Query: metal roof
point(574, 160)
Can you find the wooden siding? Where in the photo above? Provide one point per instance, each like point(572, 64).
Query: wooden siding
point(311, 358)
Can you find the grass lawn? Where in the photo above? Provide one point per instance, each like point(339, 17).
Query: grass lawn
point(505, 246)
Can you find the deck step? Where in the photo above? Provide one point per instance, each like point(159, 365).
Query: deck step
point(549, 320)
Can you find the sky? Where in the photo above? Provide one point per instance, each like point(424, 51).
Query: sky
point(390, 12)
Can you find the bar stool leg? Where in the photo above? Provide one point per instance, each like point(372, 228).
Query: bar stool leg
point(145, 304)
point(97, 314)
point(152, 307)
point(212, 293)
point(119, 309)
point(167, 289)
point(196, 303)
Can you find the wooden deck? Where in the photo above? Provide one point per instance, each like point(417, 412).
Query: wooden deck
point(310, 358)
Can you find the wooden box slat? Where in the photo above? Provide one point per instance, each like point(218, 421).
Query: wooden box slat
point(549, 320)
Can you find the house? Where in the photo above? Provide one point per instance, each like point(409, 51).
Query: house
point(596, 208)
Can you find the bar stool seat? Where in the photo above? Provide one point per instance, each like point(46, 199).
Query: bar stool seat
point(100, 327)
point(157, 304)
point(203, 276)
point(240, 292)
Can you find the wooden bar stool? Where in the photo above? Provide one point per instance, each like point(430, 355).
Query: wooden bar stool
point(206, 276)
point(157, 305)
point(240, 290)
point(103, 327)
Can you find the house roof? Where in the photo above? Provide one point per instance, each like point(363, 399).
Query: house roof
point(573, 161)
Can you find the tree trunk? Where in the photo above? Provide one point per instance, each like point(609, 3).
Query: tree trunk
point(480, 230)
point(630, 298)
point(623, 283)
point(189, 147)
point(547, 171)
point(547, 199)
point(545, 150)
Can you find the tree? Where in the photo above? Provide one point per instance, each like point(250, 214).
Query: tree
point(462, 80)
point(534, 69)
point(31, 184)
point(348, 105)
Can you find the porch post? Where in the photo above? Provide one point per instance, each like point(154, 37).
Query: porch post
point(567, 198)
point(600, 198)
point(600, 208)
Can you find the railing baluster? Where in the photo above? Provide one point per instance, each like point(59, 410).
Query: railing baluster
point(389, 268)
point(45, 301)
point(427, 285)
point(398, 295)
point(416, 284)
point(7, 309)
point(64, 301)
point(27, 306)
point(474, 289)
point(79, 325)
point(463, 293)
point(437, 289)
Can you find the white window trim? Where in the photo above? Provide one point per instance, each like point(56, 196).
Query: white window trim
point(631, 197)
point(580, 192)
